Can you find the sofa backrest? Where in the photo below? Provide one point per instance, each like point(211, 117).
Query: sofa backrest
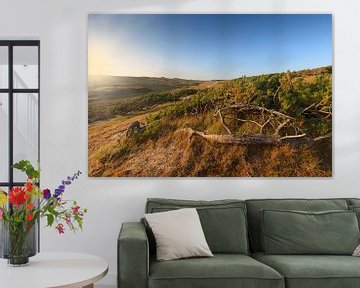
point(223, 221)
point(256, 205)
point(353, 202)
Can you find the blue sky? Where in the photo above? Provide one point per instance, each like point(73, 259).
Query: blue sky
point(220, 46)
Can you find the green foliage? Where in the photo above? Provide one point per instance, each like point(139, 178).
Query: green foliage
point(289, 93)
point(26, 167)
point(149, 100)
point(199, 103)
point(156, 127)
point(316, 127)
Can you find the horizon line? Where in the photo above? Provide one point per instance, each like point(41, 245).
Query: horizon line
point(189, 79)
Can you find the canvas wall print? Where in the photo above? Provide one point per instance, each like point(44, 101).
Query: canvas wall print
point(210, 95)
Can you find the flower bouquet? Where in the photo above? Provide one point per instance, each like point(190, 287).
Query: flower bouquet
point(21, 208)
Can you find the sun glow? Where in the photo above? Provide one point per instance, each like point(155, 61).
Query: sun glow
point(107, 56)
point(100, 58)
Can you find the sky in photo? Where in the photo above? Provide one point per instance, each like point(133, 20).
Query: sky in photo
point(207, 46)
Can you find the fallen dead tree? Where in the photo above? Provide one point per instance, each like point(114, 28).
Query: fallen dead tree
point(254, 139)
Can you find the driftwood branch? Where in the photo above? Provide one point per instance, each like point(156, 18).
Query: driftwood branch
point(276, 92)
point(292, 136)
point(277, 120)
point(242, 107)
point(282, 125)
point(307, 108)
point(223, 122)
point(250, 121)
point(318, 109)
point(231, 139)
point(323, 137)
point(259, 139)
point(263, 125)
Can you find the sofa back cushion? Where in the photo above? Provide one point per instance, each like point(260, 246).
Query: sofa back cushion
point(223, 221)
point(354, 205)
point(255, 206)
point(298, 232)
point(353, 202)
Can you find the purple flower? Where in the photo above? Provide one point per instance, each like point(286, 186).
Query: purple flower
point(46, 194)
point(58, 192)
point(64, 183)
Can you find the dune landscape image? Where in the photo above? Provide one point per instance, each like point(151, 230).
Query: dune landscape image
point(210, 95)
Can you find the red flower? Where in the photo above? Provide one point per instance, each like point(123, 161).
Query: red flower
point(68, 219)
point(17, 196)
point(27, 196)
point(29, 217)
point(75, 209)
point(29, 186)
point(29, 206)
point(60, 228)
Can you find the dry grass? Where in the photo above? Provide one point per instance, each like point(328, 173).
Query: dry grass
point(177, 155)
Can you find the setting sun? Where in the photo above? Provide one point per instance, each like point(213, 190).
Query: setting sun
point(99, 58)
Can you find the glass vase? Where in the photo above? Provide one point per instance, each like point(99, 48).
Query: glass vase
point(18, 242)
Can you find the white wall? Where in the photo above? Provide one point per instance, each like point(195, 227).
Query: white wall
point(62, 28)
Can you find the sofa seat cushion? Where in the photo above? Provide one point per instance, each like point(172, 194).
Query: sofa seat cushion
point(314, 271)
point(222, 270)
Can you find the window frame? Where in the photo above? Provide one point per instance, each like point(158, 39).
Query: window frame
point(10, 91)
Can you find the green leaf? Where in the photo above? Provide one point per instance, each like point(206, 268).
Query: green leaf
point(52, 211)
point(50, 219)
point(26, 167)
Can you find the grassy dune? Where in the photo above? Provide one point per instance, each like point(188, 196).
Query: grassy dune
point(164, 147)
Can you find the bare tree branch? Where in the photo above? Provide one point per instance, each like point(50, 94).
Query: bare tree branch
point(250, 121)
point(255, 139)
point(223, 122)
point(231, 139)
point(323, 137)
point(282, 125)
point(276, 92)
point(242, 107)
point(292, 136)
point(263, 125)
point(276, 120)
point(307, 108)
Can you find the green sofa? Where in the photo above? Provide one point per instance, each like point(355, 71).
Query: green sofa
point(233, 231)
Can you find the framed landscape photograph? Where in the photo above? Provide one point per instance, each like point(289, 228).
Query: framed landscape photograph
point(210, 95)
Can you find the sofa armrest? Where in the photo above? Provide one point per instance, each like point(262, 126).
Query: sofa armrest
point(133, 256)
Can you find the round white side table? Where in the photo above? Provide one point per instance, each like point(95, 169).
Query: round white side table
point(50, 270)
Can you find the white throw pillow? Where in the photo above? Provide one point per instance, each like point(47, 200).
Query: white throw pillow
point(357, 251)
point(178, 234)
